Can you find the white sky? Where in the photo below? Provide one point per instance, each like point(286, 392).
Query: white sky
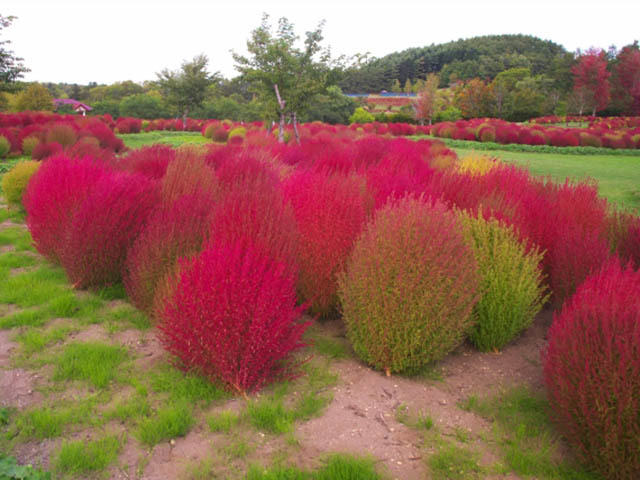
point(78, 41)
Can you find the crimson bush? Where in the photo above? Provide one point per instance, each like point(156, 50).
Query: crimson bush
point(592, 371)
point(233, 317)
point(330, 211)
point(409, 287)
point(52, 197)
point(104, 227)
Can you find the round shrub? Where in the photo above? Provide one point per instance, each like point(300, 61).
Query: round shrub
point(361, 116)
point(592, 371)
point(14, 182)
point(151, 160)
point(233, 317)
point(5, 146)
point(330, 211)
point(53, 195)
point(44, 150)
point(236, 136)
point(175, 230)
point(510, 281)
point(188, 174)
point(61, 133)
point(105, 226)
point(28, 144)
point(409, 287)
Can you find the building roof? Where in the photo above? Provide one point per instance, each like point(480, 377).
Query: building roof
point(70, 101)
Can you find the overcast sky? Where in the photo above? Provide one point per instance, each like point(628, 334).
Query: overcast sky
point(79, 41)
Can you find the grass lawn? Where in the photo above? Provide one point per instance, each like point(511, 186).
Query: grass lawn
point(618, 176)
point(137, 140)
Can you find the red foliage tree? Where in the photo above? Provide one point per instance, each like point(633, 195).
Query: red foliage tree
point(627, 78)
point(591, 78)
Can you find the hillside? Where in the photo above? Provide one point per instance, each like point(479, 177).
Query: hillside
point(482, 57)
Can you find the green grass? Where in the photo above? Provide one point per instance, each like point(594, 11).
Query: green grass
point(35, 340)
point(525, 435)
point(50, 421)
point(33, 288)
point(328, 346)
point(223, 422)
point(19, 237)
point(69, 305)
point(92, 362)
point(336, 467)
point(181, 386)
point(170, 422)
point(125, 316)
point(137, 140)
point(618, 176)
point(269, 414)
point(25, 318)
point(83, 458)
point(132, 409)
point(454, 463)
point(16, 260)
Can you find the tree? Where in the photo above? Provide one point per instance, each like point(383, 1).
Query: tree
point(425, 104)
point(503, 86)
point(36, 97)
point(143, 106)
point(627, 78)
point(591, 77)
point(11, 67)
point(331, 107)
point(186, 88)
point(474, 99)
point(283, 76)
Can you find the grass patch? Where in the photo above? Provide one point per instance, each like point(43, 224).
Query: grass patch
point(170, 422)
point(422, 421)
point(83, 458)
point(48, 422)
point(35, 340)
point(181, 386)
point(336, 467)
point(112, 292)
point(19, 237)
point(269, 414)
point(454, 463)
point(137, 140)
point(328, 346)
point(16, 260)
point(126, 316)
point(71, 305)
point(38, 287)
point(525, 434)
point(131, 409)
point(223, 422)
point(25, 318)
point(239, 448)
point(93, 362)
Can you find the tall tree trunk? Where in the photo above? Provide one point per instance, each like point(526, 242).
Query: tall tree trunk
point(295, 127)
point(184, 118)
point(281, 104)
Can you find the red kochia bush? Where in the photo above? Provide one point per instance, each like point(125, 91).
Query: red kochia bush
point(592, 371)
point(44, 150)
point(233, 317)
point(105, 226)
point(330, 211)
point(53, 195)
point(151, 160)
point(174, 231)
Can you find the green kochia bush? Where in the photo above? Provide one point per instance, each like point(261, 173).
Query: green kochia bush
point(5, 146)
point(409, 286)
point(511, 282)
point(15, 181)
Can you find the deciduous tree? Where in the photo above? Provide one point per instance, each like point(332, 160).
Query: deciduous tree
point(591, 76)
point(11, 67)
point(425, 104)
point(627, 78)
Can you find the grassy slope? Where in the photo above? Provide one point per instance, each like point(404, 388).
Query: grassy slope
point(618, 177)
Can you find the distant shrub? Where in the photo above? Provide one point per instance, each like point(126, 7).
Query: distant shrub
point(409, 287)
point(150, 161)
point(61, 133)
point(175, 230)
point(45, 150)
point(5, 146)
point(487, 133)
point(330, 211)
point(233, 317)
point(14, 182)
point(592, 371)
point(449, 114)
point(510, 282)
point(360, 115)
point(216, 132)
point(105, 226)
point(589, 140)
point(128, 125)
point(28, 144)
point(237, 135)
point(476, 164)
point(53, 195)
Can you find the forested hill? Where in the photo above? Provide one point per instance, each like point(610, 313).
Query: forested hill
point(482, 57)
